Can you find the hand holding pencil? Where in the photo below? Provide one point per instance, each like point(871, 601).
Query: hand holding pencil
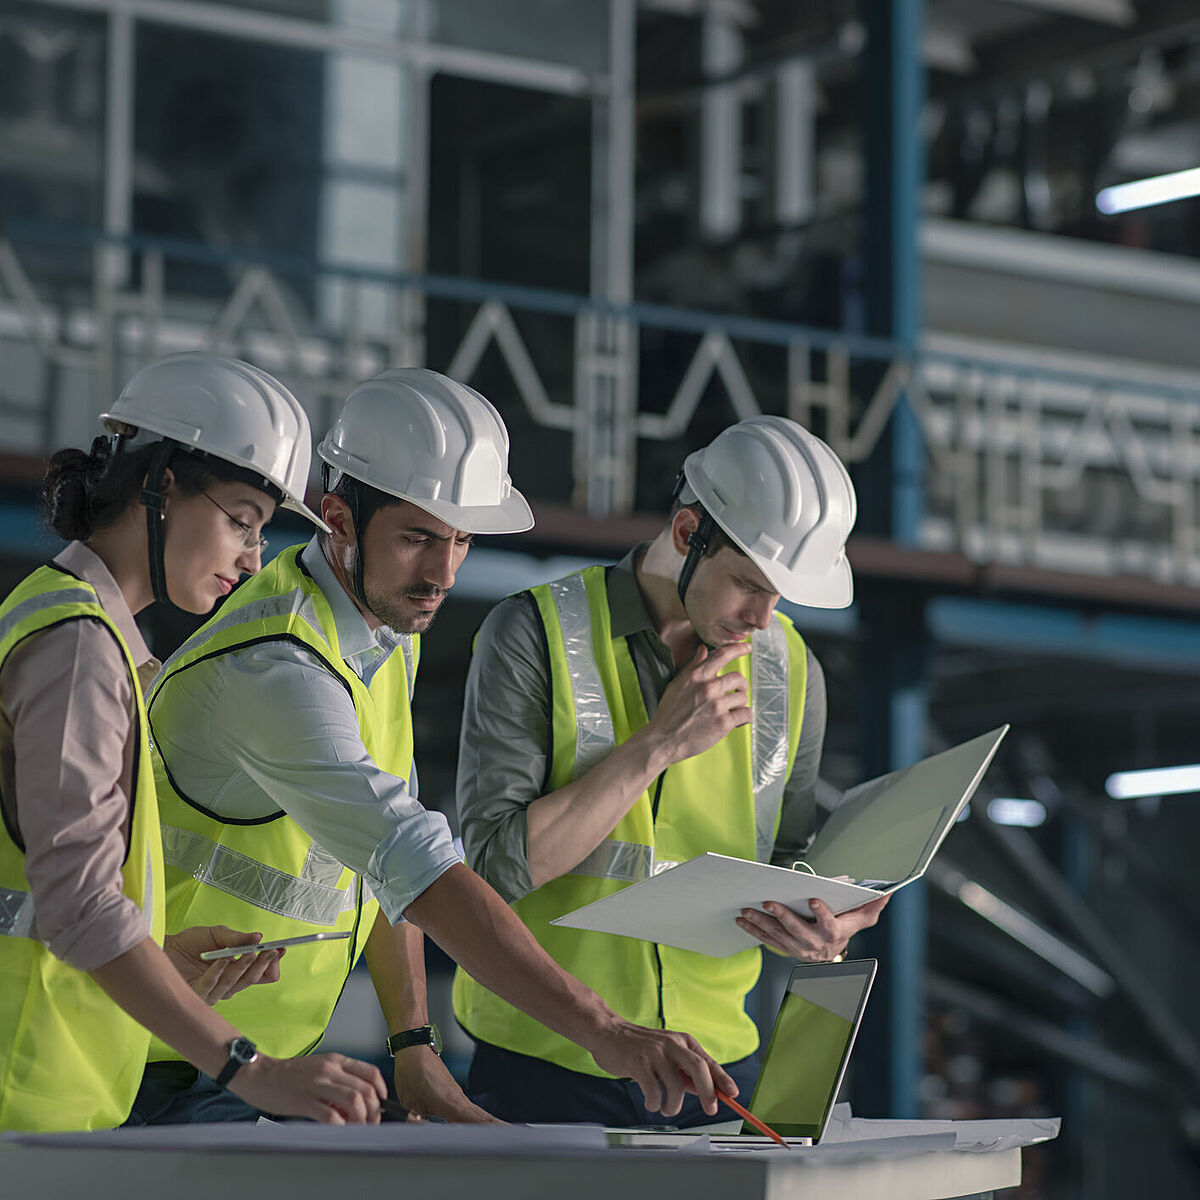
point(746, 1115)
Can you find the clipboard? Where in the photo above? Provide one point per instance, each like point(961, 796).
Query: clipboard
point(881, 837)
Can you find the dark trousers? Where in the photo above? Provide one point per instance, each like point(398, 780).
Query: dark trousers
point(175, 1093)
point(515, 1087)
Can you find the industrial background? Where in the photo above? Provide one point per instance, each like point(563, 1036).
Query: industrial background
point(631, 222)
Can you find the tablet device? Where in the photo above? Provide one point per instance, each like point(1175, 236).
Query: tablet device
point(278, 943)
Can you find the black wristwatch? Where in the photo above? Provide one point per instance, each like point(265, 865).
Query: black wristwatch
point(242, 1052)
point(424, 1035)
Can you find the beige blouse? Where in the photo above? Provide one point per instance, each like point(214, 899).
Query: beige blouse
point(67, 740)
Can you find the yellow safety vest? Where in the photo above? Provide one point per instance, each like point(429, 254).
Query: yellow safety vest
point(70, 1058)
point(596, 703)
point(266, 873)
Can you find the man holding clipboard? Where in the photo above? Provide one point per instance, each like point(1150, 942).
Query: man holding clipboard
point(618, 721)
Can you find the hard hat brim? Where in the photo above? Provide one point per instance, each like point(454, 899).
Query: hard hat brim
point(298, 506)
point(835, 589)
point(511, 515)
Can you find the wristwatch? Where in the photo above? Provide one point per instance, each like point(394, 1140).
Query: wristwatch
point(242, 1052)
point(423, 1035)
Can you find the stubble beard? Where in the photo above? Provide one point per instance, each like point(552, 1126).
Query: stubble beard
point(387, 610)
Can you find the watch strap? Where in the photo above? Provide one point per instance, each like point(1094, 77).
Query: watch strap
point(423, 1035)
point(242, 1052)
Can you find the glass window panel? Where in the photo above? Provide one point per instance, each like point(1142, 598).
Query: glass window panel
point(228, 140)
point(52, 99)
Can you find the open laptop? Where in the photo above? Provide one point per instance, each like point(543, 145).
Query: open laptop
point(804, 1064)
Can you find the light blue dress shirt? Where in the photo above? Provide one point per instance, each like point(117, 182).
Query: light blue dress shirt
point(269, 727)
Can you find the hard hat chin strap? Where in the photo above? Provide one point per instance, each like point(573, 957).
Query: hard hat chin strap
point(153, 498)
point(698, 541)
point(359, 573)
point(353, 498)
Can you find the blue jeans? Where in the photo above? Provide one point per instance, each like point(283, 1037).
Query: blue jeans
point(175, 1093)
point(516, 1087)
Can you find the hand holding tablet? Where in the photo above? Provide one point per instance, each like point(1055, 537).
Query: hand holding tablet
point(277, 944)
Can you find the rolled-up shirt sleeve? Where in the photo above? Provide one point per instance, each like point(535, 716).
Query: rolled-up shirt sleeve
point(504, 744)
point(289, 729)
point(68, 697)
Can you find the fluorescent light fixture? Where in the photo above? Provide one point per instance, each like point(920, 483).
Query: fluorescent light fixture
point(1142, 193)
point(1008, 810)
point(1159, 781)
point(1023, 929)
point(1032, 935)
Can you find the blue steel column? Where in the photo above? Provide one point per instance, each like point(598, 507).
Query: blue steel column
point(895, 642)
point(894, 711)
point(1079, 1092)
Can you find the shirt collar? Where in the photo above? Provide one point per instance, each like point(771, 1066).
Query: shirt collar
point(355, 636)
point(86, 564)
point(628, 613)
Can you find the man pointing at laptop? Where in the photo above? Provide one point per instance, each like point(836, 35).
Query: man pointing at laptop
point(286, 781)
point(621, 720)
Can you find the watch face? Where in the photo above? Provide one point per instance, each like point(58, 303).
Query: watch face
point(435, 1039)
point(243, 1050)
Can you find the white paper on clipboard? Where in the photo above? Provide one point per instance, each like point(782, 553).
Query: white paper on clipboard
point(887, 829)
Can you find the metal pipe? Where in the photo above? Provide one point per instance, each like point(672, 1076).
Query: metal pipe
point(1174, 1039)
point(1104, 1063)
point(227, 21)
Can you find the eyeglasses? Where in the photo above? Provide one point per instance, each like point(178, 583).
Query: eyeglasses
point(250, 539)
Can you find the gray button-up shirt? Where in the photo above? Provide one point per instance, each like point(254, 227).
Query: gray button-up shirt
point(506, 731)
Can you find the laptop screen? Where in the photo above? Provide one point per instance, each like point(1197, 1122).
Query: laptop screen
point(810, 1047)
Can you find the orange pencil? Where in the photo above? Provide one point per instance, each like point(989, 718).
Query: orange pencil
point(761, 1126)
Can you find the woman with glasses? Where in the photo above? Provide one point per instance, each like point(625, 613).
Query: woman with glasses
point(169, 506)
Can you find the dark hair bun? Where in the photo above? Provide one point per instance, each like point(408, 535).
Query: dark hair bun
point(65, 494)
point(82, 493)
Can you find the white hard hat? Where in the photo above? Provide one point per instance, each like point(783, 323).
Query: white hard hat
point(783, 496)
point(229, 409)
point(422, 437)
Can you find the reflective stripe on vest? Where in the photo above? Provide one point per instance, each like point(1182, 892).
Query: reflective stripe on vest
point(627, 861)
point(18, 917)
point(16, 913)
point(313, 898)
point(594, 738)
point(296, 601)
point(406, 646)
point(27, 608)
point(769, 730)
